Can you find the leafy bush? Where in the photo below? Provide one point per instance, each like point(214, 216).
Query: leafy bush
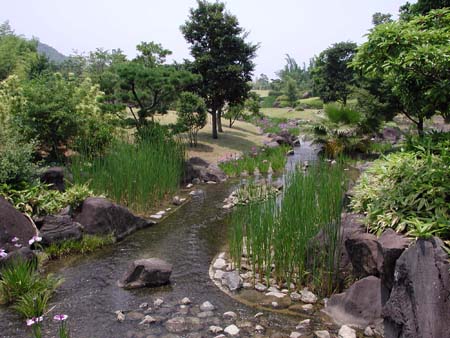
point(38, 199)
point(192, 115)
point(268, 101)
point(311, 103)
point(408, 191)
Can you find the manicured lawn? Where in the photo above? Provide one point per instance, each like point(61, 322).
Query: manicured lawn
point(261, 92)
point(241, 138)
point(289, 113)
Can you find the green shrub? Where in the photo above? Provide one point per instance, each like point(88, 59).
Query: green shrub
point(338, 113)
point(37, 199)
point(311, 103)
point(268, 101)
point(405, 191)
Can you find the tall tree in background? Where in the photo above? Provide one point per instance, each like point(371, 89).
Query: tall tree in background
point(331, 75)
point(421, 7)
point(381, 18)
point(293, 71)
point(221, 56)
point(413, 58)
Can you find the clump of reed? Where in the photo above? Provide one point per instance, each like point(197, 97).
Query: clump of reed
point(262, 159)
point(297, 240)
point(135, 175)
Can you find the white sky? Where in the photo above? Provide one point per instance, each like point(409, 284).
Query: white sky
point(297, 27)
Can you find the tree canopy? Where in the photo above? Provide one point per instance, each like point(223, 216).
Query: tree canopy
point(413, 58)
point(221, 56)
point(331, 75)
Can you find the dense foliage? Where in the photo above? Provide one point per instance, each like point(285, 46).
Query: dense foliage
point(408, 191)
point(412, 57)
point(191, 115)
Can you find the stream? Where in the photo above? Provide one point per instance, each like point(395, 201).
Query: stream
point(188, 239)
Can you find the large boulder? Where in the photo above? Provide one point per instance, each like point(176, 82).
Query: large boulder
point(359, 305)
point(391, 134)
point(98, 216)
point(54, 176)
point(392, 246)
point(16, 229)
point(146, 272)
point(197, 168)
point(59, 228)
point(419, 304)
point(365, 254)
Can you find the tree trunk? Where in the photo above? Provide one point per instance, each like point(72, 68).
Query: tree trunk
point(420, 126)
point(214, 124)
point(231, 123)
point(219, 121)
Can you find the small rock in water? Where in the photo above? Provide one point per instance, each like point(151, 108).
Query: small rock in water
point(295, 335)
point(232, 330)
point(205, 314)
point(368, 332)
point(346, 332)
point(308, 297)
point(259, 314)
point(158, 302)
point(247, 285)
point(211, 182)
point(308, 307)
point(135, 315)
point(162, 213)
point(321, 334)
point(196, 180)
point(207, 306)
point(230, 315)
point(120, 316)
point(147, 320)
point(228, 206)
point(218, 274)
point(215, 329)
point(303, 324)
point(189, 186)
point(168, 209)
point(276, 294)
point(295, 296)
point(219, 263)
point(185, 301)
point(232, 280)
point(143, 305)
point(260, 287)
point(156, 216)
point(273, 289)
point(274, 304)
point(259, 328)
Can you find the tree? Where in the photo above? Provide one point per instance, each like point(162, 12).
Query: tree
point(331, 75)
point(421, 7)
point(221, 56)
point(234, 112)
point(291, 91)
point(149, 85)
point(292, 71)
point(191, 115)
point(253, 103)
point(381, 18)
point(413, 58)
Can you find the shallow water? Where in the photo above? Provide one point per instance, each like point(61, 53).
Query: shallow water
point(188, 239)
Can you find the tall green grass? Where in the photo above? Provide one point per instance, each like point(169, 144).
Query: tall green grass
point(135, 175)
point(297, 240)
point(263, 159)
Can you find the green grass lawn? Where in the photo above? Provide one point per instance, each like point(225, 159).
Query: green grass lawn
point(289, 113)
point(261, 92)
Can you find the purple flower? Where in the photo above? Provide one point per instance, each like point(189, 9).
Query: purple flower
point(34, 320)
point(60, 317)
point(14, 239)
point(34, 239)
point(17, 245)
point(3, 253)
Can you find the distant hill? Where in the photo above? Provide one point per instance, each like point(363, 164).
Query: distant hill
point(50, 52)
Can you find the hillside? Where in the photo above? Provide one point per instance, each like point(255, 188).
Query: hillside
point(50, 52)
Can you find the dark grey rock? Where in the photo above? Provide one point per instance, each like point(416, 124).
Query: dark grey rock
point(54, 176)
point(181, 324)
point(272, 144)
point(419, 304)
point(146, 272)
point(358, 306)
point(23, 254)
point(197, 168)
point(98, 216)
point(365, 254)
point(58, 228)
point(14, 224)
point(392, 246)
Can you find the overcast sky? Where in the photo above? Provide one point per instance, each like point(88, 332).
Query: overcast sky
point(299, 28)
